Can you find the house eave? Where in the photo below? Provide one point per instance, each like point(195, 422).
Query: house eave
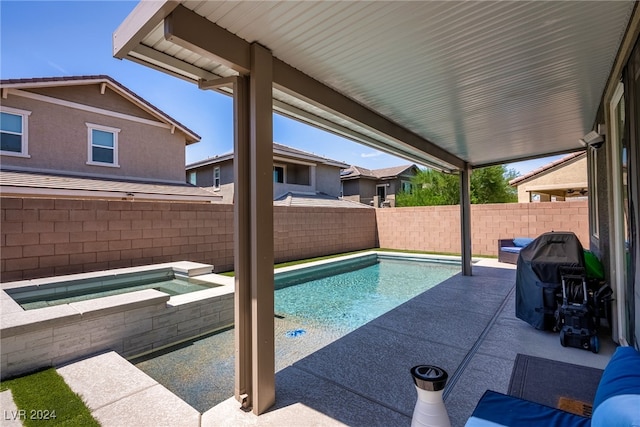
point(190, 136)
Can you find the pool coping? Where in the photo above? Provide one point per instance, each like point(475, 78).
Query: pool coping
point(388, 254)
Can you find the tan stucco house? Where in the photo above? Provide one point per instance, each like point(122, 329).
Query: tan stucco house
point(377, 187)
point(561, 180)
point(89, 136)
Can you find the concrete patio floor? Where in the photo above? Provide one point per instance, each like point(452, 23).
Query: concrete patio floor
point(466, 325)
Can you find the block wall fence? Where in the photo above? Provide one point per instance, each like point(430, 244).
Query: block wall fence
point(437, 228)
point(51, 237)
point(47, 237)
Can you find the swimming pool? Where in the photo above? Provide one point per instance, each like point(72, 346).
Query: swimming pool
point(164, 280)
point(312, 309)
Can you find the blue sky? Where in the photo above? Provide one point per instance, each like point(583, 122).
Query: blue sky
point(70, 38)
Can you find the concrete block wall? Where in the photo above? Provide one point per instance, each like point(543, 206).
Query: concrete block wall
point(305, 232)
point(424, 228)
point(130, 324)
point(51, 237)
point(437, 228)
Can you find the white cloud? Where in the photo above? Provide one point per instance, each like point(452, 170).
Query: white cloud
point(372, 154)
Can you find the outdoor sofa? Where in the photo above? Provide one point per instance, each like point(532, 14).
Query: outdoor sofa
point(616, 403)
point(509, 249)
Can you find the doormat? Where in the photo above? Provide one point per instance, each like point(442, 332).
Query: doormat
point(557, 384)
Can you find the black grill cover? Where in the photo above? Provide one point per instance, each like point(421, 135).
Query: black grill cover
point(538, 276)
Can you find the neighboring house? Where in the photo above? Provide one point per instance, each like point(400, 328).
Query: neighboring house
point(297, 174)
point(376, 187)
point(561, 180)
point(89, 136)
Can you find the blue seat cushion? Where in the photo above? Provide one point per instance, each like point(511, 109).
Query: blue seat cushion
point(617, 401)
point(621, 376)
point(497, 409)
point(512, 249)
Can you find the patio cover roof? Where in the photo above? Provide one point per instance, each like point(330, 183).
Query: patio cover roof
point(440, 83)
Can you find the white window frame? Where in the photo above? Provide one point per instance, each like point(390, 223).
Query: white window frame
point(594, 216)
point(193, 178)
point(216, 178)
point(617, 236)
point(115, 131)
point(25, 131)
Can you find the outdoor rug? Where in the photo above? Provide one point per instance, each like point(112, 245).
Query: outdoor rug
point(557, 384)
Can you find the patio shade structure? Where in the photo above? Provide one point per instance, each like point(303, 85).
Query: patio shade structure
point(450, 85)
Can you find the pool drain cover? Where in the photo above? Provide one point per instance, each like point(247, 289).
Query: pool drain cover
point(295, 333)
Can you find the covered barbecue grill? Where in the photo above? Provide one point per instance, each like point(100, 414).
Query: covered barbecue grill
point(538, 276)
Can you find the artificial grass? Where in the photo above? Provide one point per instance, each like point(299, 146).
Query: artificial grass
point(44, 398)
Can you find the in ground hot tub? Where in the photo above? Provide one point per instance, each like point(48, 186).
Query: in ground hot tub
point(50, 321)
point(65, 291)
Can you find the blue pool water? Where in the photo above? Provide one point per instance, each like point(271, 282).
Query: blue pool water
point(349, 300)
point(309, 315)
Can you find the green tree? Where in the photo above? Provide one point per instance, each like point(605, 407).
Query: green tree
point(491, 185)
point(433, 188)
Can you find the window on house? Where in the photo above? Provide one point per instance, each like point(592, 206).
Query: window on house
point(14, 128)
point(298, 174)
point(406, 186)
point(103, 145)
point(193, 178)
point(278, 174)
point(216, 178)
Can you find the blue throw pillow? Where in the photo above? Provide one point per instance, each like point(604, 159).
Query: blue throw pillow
point(522, 241)
point(617, 401)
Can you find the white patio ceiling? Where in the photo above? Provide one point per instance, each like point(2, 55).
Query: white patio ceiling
point(488, 82)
